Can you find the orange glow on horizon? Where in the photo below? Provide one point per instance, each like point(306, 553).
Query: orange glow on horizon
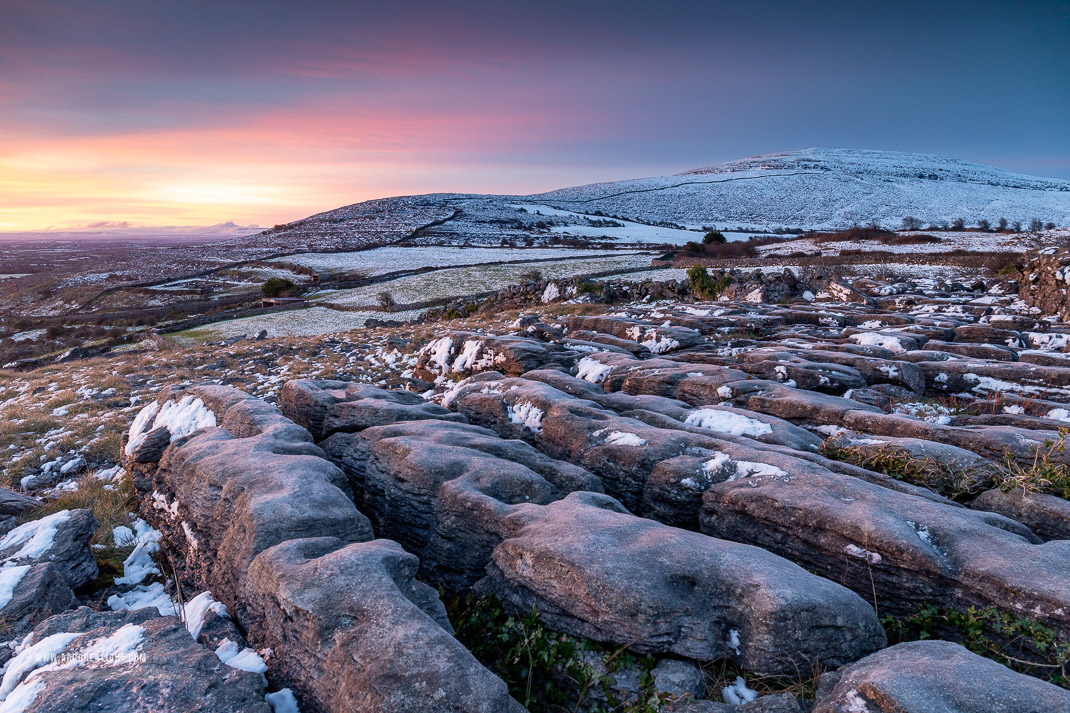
point(274, 169)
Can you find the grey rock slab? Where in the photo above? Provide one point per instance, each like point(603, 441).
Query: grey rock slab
point(594, 570)
point(40, 593)
point(221, 499)
point(161, 669)
point(353, 630)
point(1046, 515)
point(902, 550)
point(936, 677)
point(61, 538)
point(327, 407)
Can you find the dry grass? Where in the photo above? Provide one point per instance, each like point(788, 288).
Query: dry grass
point(111, 504)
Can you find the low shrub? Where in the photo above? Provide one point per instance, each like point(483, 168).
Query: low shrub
point(705, 285)
point(277, 287)
point(546, 670)
point(1013, 640)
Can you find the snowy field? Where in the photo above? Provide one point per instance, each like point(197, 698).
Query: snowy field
point(662, 275)
point(631, 232)
point(461, 281)
point(949, 240)
point(381, 261)
point(827, 189)
point(309, 322)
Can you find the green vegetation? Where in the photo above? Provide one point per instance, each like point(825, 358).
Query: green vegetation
point(277, 287)
point(714, 237)
point(547, 671)
point(1011, 639)
point(705, 285)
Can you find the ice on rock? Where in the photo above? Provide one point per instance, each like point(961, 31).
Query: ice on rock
point(180, 418)
point(526, 414)
point(591, 370)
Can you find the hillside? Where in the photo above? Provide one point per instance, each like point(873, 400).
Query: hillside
point(827, 189)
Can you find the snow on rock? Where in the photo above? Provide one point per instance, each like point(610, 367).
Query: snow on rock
point(31, 658)
point(141, 426)
point(122, 536)
point(1059, 414)
point(526, 414)
point(747, 469)
point(244, 659)
point(282, 701)
point(180, 418)
point(620, 438)
point(592, 370)
point(727, 422)
point(121, 647)
point(738, 693)
point(142, 597)
point(36, 537)
point(9, 579)
point(856, 551)
point(439, 352)
point(551, 293)
point(659, 346)
point(880, 340)
point(139, 564)
point(196, 609)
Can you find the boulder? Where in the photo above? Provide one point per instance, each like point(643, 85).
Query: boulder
point(61, 538)
point(37, 592)
point(659, 339)
point(355, 631)
point(327, 407)
point(592, 569)
point(459, 354)
point(932, 676)
point(898, 549)
point(220, 499)
point(1046, 515)
point(125, 661)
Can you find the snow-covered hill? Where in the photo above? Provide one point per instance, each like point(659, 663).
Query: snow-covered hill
point(826, 188)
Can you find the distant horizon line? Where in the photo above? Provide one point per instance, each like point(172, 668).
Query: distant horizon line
point(225, 229)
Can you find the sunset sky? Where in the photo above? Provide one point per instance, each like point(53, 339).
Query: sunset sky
point(194, 113)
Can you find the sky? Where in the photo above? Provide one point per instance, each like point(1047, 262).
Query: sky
point(191, 112)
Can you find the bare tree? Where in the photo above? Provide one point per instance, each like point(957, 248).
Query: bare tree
point(984, 225)
point(1036, 224)
point(1049, 226)
point(1002, 224)
point(911, 223)
point(1016, 226)
point(958, 224)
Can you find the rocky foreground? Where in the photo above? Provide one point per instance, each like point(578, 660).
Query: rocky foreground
point(842, 499)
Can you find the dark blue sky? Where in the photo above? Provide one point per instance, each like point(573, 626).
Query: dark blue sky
point(180, 112)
